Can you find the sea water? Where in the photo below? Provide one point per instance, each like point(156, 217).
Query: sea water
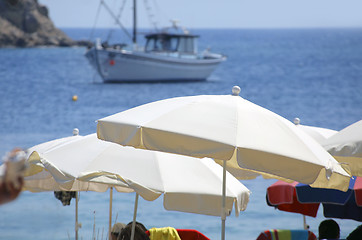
point(312, 74)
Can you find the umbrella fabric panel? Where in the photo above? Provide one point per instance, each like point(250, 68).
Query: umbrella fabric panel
point(170, 115)
point(40, 182)
point(317, 133)
point(52, 144)
point(346, 142)
point(188, 185)
point(189, 194)
point(281, 192)
point(350, 210)
point(358, 191)
point(87, 150)
point(307, 209)
point(184, 134)
point(308, 194)
point(44, 181)
point(346, 147)
point(336, 204)
point(58, 159)
point(283, 196)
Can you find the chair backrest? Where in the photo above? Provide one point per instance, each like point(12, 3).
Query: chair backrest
point(286, 234)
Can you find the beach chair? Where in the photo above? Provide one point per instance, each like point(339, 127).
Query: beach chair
point(286, 234)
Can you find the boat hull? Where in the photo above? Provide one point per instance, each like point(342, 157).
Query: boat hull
point(125, 66)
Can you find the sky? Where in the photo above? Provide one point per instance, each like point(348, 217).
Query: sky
point(210, 13)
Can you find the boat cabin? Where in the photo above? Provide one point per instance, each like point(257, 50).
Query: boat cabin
point(166, 42)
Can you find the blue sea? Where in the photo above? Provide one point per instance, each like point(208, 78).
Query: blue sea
point(312, 74)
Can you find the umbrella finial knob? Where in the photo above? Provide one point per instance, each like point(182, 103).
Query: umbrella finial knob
point(296, 121)
point(236, 90)
point(75, 132)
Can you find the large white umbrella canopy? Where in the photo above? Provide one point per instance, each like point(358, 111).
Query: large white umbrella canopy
point(188, 184)
point(346, 147)
point(226, 127)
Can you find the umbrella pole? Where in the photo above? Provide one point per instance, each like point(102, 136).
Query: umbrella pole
point(305, 225)
point(134, 217)
point(110, 211)
point(76, 215)
point(76, 133)
point(223, 214)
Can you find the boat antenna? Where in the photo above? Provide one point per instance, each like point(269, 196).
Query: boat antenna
point(174, 23)
point(175, 26)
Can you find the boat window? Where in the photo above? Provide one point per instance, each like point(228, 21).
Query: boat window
point(173, 44)
point(150, 45)
point(186, 45)
point(158, 44)
point(166, 44)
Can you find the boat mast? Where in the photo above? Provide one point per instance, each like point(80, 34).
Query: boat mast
point(134, 22)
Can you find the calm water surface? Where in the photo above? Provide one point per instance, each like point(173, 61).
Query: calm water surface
point(315, 75)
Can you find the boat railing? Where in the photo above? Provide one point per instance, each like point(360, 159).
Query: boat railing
point(175, 54)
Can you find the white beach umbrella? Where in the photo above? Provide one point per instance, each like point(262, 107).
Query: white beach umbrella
point(227, 128)
point(317, 133)
point(187, 184)
point(346, 147)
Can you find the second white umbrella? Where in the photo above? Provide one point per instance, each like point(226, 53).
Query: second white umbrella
point(188, 184)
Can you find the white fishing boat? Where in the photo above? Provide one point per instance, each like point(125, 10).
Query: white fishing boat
point(169, 54)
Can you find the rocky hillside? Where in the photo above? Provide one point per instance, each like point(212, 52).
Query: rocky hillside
point(25, 23)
